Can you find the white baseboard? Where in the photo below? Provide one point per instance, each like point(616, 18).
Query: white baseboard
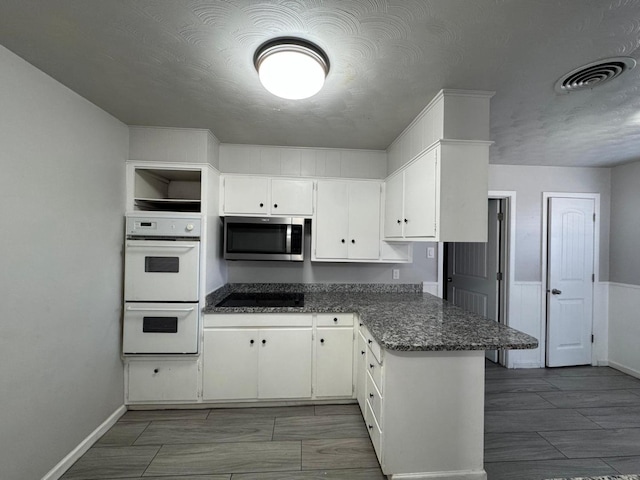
point(526, 365)
point(457, 475)
point(63, 465)
point(629, 371)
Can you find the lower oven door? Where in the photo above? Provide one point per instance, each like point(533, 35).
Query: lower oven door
point(160, 328)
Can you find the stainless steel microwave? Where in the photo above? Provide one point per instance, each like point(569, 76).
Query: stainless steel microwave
point(264, 238)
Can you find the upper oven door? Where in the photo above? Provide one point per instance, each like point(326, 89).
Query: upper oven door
point(161, 271)
point(263, 238)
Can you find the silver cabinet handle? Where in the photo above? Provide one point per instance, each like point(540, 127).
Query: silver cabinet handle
point(555, 291)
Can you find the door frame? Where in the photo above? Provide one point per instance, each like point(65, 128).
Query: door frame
point(508, 274)
point(545, 259)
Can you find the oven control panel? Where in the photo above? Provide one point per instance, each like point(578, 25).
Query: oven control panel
point(146, 226)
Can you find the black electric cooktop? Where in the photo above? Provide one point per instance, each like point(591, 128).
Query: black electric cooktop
point(262, 300)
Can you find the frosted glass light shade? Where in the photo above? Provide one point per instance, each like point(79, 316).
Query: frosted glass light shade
point(291, 68)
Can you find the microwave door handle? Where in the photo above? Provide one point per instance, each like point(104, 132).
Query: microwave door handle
point(151, 309)
point(288, 239)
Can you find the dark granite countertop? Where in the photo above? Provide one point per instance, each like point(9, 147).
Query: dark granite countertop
point(399, 316)
point(607, 477)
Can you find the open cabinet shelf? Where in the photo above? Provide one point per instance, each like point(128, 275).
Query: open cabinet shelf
point(167, 190)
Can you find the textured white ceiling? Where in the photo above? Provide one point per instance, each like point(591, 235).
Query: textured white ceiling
point(188, 63)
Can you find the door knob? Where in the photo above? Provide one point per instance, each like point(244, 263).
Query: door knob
point(449, 279)
point(555, 291)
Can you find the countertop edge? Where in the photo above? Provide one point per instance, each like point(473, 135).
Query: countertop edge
point(527, 342)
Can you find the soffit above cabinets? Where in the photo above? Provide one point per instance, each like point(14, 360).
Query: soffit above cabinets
point(190, 64)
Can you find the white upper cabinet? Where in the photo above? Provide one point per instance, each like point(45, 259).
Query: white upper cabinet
point(246, 195)
point(291, 197)
point(419, 197)
point(410, 209)
point(439, 190)
point(443, 197)
point(264, 196)
point(347, 221)
point(393, 206)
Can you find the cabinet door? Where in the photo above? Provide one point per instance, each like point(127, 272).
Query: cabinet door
point(420, 197)
point(246, 195)
point(291, 197)
point(332, 219)
point(284, 365)
point(162, 381)
point(334, 362)
point(364, 220)
point(230, 364)
point(393, 216)
point(361, 371)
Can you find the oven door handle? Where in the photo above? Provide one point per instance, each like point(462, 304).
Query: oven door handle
point(287, 246)
point(174, 247)
point(156, 309)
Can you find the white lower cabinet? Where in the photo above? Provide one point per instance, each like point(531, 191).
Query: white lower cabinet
point(277, 357)
point(423, 410)
point(257, 363)
point(284, 363)
point(230, 364)
point(361, 370)
point(162, 381)
point(334, 356)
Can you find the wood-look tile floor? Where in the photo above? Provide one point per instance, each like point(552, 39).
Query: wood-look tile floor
point(539, 424)
point(560, 422)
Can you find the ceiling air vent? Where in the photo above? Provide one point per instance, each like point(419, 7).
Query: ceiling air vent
point(594, 74)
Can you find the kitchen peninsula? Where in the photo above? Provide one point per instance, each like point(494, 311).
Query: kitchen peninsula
point(418, 366)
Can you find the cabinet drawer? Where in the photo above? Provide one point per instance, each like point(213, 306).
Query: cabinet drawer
point(257, 320)
point(335, 319)
point(375, 370)
point(374, 431)
point(374, 398)
point(162, 381)
point(371, 343)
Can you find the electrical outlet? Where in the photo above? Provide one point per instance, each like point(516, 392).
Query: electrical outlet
point(395, 273)
point(431, 252)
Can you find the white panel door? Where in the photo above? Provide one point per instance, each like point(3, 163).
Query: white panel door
point(284, 366)
point(570, 288)
point(393, 199)
point(291, 197)
point(332, 220)
point(334, 362)
point(420, 197)
point(472, 282)
point(364, 221)
point(230, 364)
point(246, 195)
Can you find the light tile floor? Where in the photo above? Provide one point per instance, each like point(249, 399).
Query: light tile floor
point(542, 423)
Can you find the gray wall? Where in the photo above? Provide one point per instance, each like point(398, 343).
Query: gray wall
point(529, 183)
point(625, 224)
point(61, 203)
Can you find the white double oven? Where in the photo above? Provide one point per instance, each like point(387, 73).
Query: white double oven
point(161, 285)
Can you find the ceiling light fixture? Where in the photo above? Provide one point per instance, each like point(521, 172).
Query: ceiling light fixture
point(291, 68)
